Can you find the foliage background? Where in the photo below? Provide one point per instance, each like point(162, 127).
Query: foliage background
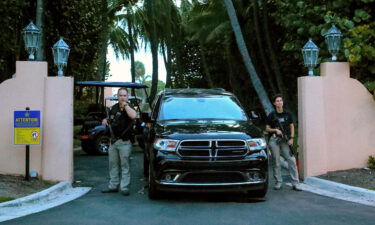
point(197, 41)
point(75, 20)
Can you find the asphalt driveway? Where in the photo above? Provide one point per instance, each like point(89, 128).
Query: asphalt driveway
point(281, 207)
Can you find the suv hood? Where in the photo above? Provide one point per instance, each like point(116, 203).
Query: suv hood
point(186, 129)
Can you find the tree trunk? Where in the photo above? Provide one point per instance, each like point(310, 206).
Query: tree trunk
point(154, 48)
point(104, 37)
point(261, 47)
point(167, 64)
point(40, 55)
point(131, 43)
point(155, 67)
point(258, 86)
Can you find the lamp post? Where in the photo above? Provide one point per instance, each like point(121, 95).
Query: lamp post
point(31, 38)
point(310, 56)
point(60, 52)
point(333, 40)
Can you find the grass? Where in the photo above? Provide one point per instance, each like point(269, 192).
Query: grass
point(5, 199)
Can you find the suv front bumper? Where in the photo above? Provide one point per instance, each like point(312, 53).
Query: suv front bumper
point(173, 173)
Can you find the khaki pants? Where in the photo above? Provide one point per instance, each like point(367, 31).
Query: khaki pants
point(119, 154)
point(284, 149)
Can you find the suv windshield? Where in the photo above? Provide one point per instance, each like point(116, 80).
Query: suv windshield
point(206, 107)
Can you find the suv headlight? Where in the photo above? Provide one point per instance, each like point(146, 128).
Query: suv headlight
point(256, 144)
point(166, 145)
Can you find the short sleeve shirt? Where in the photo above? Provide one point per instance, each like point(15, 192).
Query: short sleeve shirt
point(284, 119)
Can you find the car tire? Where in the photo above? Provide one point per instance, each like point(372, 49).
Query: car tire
point(85, 146)
point(153, 193)
point(102, 144)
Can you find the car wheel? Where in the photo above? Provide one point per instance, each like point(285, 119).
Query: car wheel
point(153, 193)
point(102, 144)
point(86, 147)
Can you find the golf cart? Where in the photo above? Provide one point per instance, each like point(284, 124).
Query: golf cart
point(94, 137)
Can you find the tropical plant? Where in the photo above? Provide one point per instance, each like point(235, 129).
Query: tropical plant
point(139, 70)
point(114, 34)
point(371, 162)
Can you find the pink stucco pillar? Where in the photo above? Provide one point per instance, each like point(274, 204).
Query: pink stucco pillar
point(53, 97)
point(58, 126)
point(336, 121)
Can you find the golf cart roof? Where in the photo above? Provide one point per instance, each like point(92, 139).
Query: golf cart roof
point(110, 84)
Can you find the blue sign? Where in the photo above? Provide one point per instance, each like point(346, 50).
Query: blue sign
point(27, 118)
point(27, 127)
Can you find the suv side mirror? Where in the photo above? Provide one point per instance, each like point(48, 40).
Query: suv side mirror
point(254, 115)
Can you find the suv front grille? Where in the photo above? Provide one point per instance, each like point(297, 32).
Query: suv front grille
point(223, 177)
point(212, 148)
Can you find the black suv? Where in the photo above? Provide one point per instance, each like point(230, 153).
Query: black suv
point(202, 140)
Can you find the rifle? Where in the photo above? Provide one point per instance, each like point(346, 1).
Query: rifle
point(113, 139)
point(285, 137)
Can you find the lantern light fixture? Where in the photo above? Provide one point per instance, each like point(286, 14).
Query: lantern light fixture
point(60, 52)
point(333, 40)
point(31, 37)
point(310, 54)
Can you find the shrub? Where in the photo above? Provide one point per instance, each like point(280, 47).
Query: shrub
point(371, 162)
point(80, 108)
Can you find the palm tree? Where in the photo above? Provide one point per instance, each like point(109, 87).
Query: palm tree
point(257, 84)
point(40, 23)
point(170, 38)
point(133, 19)
point(150, 34)
point(112, 32)
point(158, 28)
point(207, 24)
point(139, 71)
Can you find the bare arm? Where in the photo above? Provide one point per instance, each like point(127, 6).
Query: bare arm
point(130, 111)
point(290, 141)
point(292, 130)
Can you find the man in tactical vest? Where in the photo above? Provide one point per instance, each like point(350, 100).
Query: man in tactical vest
point(120, 123)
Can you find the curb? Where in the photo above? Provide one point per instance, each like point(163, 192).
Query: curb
point(60, 187)
point(339, 191)
point(54, 196)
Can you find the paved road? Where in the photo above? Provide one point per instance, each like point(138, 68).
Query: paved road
point(281, 207)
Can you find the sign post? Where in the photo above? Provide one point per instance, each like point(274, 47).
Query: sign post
point(27, 132)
